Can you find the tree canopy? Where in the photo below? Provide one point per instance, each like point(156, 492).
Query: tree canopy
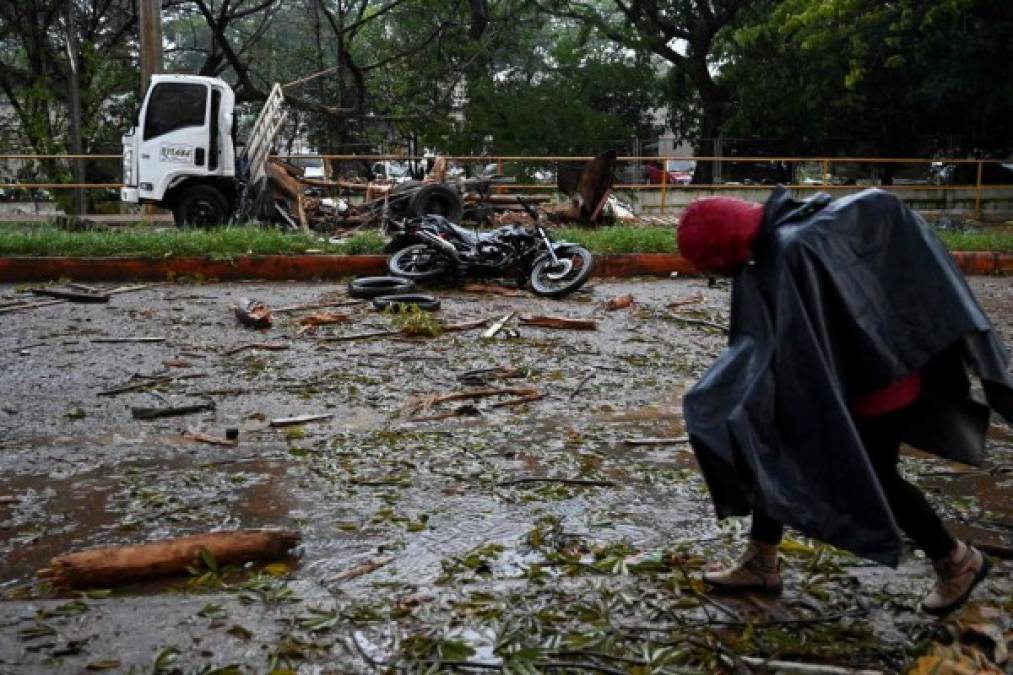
point(544, 76)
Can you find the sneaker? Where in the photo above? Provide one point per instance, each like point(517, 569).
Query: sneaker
point(956, 578)
point(753, 572)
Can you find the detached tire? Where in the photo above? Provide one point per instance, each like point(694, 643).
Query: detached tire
point(201, 206)
point(371, 287)
point(436, 199)
point(424, 302)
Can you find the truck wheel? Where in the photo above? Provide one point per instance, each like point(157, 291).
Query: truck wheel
point(201, 206)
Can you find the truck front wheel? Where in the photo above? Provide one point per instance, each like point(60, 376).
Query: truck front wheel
point(200, 206)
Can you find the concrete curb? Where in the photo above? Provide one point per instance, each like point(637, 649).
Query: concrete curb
point(310, 267)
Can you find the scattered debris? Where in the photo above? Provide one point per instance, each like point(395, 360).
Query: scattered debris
point(692, 300)
point(619, 302)
point(318, 305)
point(269, 346)
point(109, 566)
point(253, 313)
point(700, 322)
point(656, 441)
point(359, 336)
point(565, 481)
point(482, 376)
point(71, 296)
point(360, 570)
point(147, 381)
point(172, 411)
point(465, 325)
point(493, 289)
point(29, 305)
point(322, 319)
point(117, 340)
point(580, 385)
point(201, 437)
point(522, 394)
point(301, 419)
point(559, 322)
point(498, 326)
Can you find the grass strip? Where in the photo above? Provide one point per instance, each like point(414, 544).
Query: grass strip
point(218, 244)
point(231, 242)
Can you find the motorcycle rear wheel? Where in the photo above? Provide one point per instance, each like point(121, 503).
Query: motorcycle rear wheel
point(418, 261)
point(554, 281)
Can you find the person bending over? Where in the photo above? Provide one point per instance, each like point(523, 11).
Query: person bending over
point(852, 331)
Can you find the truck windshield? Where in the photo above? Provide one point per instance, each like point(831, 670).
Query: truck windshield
point(174, 105)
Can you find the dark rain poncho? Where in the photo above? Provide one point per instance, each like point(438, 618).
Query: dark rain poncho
point(843, 298)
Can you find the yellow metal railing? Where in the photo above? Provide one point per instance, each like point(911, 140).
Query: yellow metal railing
point(826, 164)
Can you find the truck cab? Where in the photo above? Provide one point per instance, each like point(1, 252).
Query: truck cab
point(181, 154)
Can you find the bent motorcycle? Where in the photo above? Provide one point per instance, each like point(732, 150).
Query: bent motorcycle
point(432, 246)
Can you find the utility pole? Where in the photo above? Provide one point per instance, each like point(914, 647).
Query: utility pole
point(78, 205)
point(150, 19)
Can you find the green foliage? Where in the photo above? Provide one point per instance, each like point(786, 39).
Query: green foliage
point(621, 239)
point(414, 322)
point(893, 79)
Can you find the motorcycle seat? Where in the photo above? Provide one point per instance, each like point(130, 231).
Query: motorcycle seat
point(469, 236)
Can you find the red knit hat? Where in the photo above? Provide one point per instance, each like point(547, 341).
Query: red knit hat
point(716, 233)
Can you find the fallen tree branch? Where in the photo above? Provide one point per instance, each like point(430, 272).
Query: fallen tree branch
point(148, 382)
point(270, 346)
point(364, 568)
point(524, 393)
point(700, 322)
point(172, 411)
point(118, 340)
point(562, 322)
point(301, 419)
point(656, 441)
point(565, 481)
point(103, 567)
point(201, 437)
point(71, 296)
point(359, 336)
point(30, 305)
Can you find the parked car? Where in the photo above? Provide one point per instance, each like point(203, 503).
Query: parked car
point(680, 172)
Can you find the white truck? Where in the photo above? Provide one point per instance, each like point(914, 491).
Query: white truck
point(181, 155)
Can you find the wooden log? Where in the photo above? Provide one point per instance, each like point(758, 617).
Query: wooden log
point(559, 322)
point(109, 566)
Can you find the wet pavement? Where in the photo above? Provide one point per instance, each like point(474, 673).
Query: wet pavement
point(507, 534)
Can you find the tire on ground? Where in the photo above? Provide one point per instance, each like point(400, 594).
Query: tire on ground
point(424, 302)
point(371, 287)
point(438, 199)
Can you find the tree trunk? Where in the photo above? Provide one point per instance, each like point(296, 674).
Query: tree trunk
point(77, 205)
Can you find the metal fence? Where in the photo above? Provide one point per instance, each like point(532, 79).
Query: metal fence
point(32, 176)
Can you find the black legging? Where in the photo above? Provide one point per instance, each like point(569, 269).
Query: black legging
point(881, 436)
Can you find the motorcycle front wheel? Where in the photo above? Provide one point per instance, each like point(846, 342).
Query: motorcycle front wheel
point(556, 280)
point(417, 261)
